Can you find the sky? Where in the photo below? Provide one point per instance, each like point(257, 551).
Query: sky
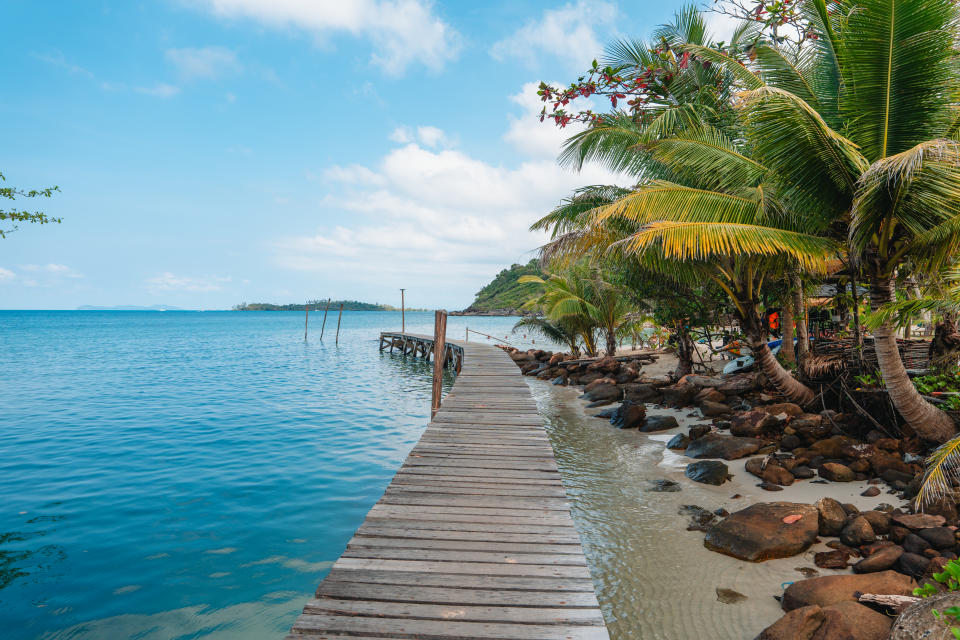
point(213, 152)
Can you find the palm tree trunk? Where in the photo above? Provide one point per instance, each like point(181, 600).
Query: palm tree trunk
point(611, 342)
point(929, 422)
point(786, 322)
point(793, 389)
point(685, 349)
point(800, 314)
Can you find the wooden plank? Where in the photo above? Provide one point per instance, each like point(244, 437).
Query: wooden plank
point(442, 630)
point(459, 612)
point(440, 595)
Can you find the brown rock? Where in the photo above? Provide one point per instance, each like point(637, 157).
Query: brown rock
point(607, 364)
point(784, 408)
point(752, 423)
point(863, 623)
point(830, 447)
point(857, 532)
point(759, 533)
point(918, 621)
point(828, 590)
point(836, 472)
point(871, 492)
point(714, 409)
point(799, 624)
point(714, 445)
point(709, 394)
point(880, 560)
point(679, 395)
point(919, 520)
point(879, 521)
point(831, 559)
point(739, 384)
point(832, 516)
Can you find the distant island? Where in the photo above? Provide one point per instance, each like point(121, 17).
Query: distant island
point(348, 305)
point(504, 296)
point(129, 307)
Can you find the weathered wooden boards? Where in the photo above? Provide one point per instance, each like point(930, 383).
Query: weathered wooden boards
point(421, 346)
point(473, 537)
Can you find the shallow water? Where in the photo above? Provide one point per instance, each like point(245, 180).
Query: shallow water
point(188, 475)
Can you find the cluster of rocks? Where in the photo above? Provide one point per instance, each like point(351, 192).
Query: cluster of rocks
point(888, 550)
point(605, 379)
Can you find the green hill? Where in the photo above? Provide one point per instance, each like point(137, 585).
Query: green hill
point(504, 294)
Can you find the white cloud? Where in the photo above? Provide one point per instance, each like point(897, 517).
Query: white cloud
point(567, 33)
point(428, 136)
point(57, 59)
point(159, 90)
point(6, 275)
point(402, 32)
point(204, 62)
point(52, 269)
point(428, 211)
point(170, 282)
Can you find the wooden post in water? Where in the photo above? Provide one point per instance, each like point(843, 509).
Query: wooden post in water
point(403, 313)
point(324, 325)
point(306, 319)
point(337, 341)
point(466, 335)
point(439, 358)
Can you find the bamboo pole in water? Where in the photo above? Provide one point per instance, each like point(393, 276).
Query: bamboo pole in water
point(403, 313)
point(306, 319)
point(337, 341)
point(324, 325)
point(439, 358)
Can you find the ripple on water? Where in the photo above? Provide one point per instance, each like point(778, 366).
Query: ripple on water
point(191, 474)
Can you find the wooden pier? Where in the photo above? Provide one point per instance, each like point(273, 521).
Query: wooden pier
point(420, 346)
point(473, 537)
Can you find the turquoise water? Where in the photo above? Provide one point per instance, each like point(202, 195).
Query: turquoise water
point(192, 475)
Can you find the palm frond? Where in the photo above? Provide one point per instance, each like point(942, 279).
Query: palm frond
point(898, 64)
point(816, 164)
point(662, 200)
point(707, 158)
point(942, 472)
point(705, 241)
point(743, 76)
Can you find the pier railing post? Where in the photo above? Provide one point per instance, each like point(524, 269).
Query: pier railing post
point(439, 358)
point(337, 341)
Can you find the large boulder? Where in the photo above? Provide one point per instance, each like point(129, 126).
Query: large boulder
point(739, 384)
point(752, 423)
point(708, 472)
point(919, 520)
point(712, 409)
point(827, 590)
point(841, 621)
point(659, 423)
point(606, 364)
point(640, 393)
point(918, 621)
point(786, 409)
point(760, 531)
point(880, 560)
point(832, 516)
point(709, 394)
point(836, 472)
point(629, 415)
point(714, 445)
point(679, 395)
point(603, 390)
point(702, 382)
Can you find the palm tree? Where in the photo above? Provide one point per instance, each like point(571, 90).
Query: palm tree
point(861, 132)
point(560, 332)
point(562, 301)
point(585, 295)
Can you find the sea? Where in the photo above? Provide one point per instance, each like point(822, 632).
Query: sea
point(168, 475)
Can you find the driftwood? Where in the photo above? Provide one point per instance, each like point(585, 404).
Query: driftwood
point(895, 603)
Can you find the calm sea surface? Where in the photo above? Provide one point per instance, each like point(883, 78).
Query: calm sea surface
point(187, 475)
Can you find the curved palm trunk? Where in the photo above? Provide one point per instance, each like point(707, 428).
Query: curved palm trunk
point(793, 389)
point(929, 422)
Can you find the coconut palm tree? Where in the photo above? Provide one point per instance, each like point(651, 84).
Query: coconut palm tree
point(560, 332)
point(563, 303)
point(861, 132)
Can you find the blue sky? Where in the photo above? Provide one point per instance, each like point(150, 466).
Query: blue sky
point(211, 152)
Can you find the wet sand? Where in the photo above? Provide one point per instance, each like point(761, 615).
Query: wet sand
point(654, 578)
